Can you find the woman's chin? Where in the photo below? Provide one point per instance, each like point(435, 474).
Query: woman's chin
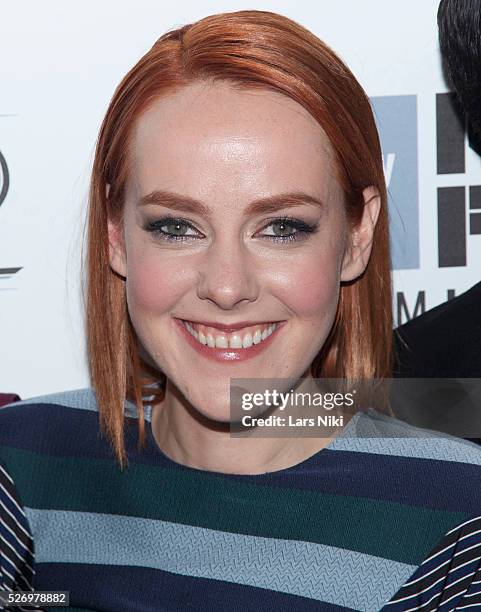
point(206, 402)
point(220, 414)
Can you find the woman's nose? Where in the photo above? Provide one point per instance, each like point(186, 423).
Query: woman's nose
point(228, 276)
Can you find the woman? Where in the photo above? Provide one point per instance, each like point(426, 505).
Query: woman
point(237, 229)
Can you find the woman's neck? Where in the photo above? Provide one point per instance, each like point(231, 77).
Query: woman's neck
point(186, 439)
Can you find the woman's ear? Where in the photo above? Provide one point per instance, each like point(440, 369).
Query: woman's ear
point(359, 245)
point(117, 257)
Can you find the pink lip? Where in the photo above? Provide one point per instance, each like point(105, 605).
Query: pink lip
point(227, 354)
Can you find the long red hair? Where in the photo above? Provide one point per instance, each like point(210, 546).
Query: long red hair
point(249, 49)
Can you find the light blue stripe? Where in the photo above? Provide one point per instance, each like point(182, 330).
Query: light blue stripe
point(384, 435)
point(422, 448)
point(323, 573)
point(366, 432)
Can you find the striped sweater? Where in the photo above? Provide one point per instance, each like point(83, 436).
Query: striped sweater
point(386, 512)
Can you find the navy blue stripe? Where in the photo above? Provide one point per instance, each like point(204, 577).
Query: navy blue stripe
point(407, 480)
point(67, 432)
point(109, 587)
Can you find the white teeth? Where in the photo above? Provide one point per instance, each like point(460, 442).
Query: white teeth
point(257, 337)
point(235, 341)
point(221, 342)
point(247, 341)
point(267, 332)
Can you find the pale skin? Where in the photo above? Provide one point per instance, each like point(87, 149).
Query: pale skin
point(226, 148)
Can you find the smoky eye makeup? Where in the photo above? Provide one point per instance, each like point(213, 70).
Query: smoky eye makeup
point(296, 229)
point(171, 228)
point(282, 229)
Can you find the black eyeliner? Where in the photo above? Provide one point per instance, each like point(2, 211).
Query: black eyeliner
point(297, 223)
point(154, 227)
point(302, 228)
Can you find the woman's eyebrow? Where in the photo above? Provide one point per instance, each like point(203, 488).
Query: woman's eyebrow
point(170, 199)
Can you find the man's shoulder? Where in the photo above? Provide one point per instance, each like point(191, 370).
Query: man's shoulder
point(463, 311)
point(444, 341)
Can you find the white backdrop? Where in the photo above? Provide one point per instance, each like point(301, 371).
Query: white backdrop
point(60, 63)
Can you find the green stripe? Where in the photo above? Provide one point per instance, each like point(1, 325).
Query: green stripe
point(386, 529)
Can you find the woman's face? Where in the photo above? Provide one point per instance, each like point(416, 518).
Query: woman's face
point(214, 171)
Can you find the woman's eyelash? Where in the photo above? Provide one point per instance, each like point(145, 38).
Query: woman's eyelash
point(302, 228)
point(178, 224)
point(155, 227)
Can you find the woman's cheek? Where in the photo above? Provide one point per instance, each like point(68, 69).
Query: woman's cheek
point(155, 284)
point(312, 293)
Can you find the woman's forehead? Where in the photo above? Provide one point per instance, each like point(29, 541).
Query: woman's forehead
point(214, 134)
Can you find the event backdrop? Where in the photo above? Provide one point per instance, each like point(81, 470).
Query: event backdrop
point(60, 63)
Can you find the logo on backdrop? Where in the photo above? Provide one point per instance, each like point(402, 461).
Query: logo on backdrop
point(4, 185)
point(4, 178)
point(459, 206)
point(396, 118)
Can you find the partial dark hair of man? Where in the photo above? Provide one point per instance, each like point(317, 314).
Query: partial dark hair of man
point(459, 23)
point(445, 342)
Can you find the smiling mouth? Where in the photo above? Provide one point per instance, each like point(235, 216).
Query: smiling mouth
point(240, 339)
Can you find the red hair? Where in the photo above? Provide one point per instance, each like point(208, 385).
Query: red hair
point(248, 49)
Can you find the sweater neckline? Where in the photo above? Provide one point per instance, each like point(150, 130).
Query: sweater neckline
point(304, 465)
